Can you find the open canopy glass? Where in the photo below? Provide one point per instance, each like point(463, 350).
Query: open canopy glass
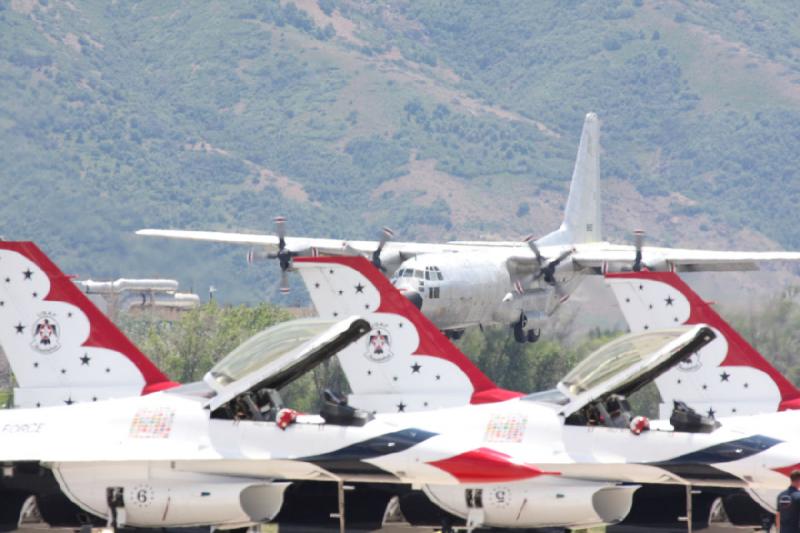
point(277, 356)
point(265, 347)
point(617, 356)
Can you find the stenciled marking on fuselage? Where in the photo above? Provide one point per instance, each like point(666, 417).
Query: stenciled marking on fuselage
point(32, 427)
point(350, 459)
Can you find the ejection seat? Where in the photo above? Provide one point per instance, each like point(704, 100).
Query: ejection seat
point(686, 419)
point(336, 411)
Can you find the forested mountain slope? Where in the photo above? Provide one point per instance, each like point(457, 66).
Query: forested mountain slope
point(440, 119)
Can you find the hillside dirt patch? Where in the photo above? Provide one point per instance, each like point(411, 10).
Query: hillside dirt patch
point(24, 7)
point(434, 81)
point(344, 27)
point(71, 40)
point(469, 205)
point(723, 71)
point(289, 188)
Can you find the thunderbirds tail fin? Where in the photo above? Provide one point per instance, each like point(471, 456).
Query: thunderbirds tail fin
point(61, 348)
point(582, 221)
point(728, 376)
point(405, 363)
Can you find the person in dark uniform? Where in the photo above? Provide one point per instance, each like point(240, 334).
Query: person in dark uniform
point(788, 517)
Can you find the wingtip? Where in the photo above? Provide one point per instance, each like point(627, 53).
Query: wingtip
point(151, 232)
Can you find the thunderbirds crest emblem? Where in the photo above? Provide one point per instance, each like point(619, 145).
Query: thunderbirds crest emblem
point(379, 344)
point(46, 333)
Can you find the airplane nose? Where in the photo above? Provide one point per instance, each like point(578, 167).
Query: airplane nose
point(413, 296)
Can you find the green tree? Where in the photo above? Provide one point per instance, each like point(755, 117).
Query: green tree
point(187, 348)
point(774, 330)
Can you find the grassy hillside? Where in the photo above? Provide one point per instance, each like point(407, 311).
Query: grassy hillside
point(442, 120)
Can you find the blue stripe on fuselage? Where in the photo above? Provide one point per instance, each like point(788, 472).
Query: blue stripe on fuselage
point(350, 459)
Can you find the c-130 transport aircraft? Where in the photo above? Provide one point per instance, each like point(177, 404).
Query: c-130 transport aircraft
point(220, 452)
point(468, 283)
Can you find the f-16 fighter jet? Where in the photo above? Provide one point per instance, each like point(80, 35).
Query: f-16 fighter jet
point(223, 451)
point(463, 284)
point(727, 377)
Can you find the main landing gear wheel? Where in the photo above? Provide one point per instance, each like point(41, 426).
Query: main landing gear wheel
point(533, 335)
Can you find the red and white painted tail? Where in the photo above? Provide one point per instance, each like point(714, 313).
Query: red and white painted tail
point(405, 363)
point(728, 376)
point(60, 347)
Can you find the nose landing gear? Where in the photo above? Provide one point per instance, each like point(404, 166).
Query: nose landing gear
point(454, 334)
point(522, 334)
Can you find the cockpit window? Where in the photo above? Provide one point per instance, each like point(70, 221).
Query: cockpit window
point(549, 396)
point(418, 274)
point(615, 357)
point(427, 274)
point(407, 273)
point(267, 346)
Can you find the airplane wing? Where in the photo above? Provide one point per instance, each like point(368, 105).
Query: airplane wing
point(309, 245)
point(678, 259)
point(589, 255)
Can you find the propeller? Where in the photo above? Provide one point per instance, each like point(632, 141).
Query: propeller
point(386, 235)
point(548, 272)
point(284, 255)
point(547, 269)
point(638, 242)
point(531, 240)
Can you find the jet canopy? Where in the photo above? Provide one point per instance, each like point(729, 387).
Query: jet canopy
point(618, 357)
point(264, 348)
point(595, 392)
point(275, 357)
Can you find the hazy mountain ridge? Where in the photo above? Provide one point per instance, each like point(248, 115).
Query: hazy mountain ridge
point(442, 121)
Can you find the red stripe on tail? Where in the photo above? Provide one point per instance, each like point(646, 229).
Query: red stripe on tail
point(102, 332)
point(740, 352)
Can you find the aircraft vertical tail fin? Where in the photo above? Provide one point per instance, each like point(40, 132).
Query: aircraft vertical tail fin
point(582, 218)
point(726, 377)
point(405, 363)
point(60, 347)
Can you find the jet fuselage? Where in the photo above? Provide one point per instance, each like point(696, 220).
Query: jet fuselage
point(157, 447)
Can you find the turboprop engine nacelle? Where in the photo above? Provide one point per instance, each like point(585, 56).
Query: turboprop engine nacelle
point(653, 263)
point(657, 263)
point(537, 504)
point(162, 497)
